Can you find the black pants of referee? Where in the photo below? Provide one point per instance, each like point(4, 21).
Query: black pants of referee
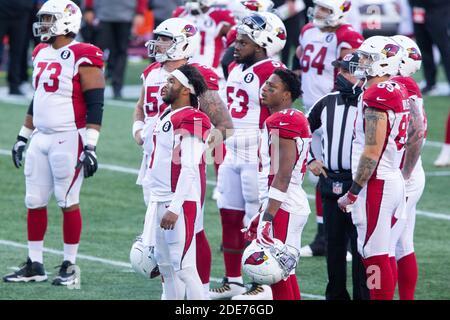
point(339, 231)
point(435, 30)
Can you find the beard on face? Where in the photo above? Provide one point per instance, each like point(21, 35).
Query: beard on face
point(171, 95)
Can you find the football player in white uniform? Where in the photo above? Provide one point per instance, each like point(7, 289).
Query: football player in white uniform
point(284, 151)
point(402, 256)
point(175, 177)
point(260, 36)
point(377, 194)
point(176, 40)
point(326, 38)
point(213, 24)
point(63, 123)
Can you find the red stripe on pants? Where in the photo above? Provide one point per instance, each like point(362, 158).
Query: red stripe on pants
point(374, 197)
point(190, 212)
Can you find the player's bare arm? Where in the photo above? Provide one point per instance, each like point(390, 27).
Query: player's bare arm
point(282, 178)
point(375, 132)
point(215, 109)
point(138, 119)
point(415, 139)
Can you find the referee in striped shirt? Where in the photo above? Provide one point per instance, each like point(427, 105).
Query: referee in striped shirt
point(335, 113)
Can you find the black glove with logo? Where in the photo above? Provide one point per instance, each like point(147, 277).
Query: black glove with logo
point(17, 151)
point(88, 159)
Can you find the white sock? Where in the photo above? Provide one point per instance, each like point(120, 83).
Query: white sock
point(173, 286)
point(236, 279)
point(194, 287)
point(35, 249)
point(70, 252)
point(206, 290)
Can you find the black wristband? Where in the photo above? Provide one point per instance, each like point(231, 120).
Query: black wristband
point(20, 138)
point(90, 147)
point(355, 188)
point(94, 99)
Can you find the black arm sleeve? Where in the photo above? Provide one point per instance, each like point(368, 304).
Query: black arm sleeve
point(227, 58)
point(30, 108)
point(295, 62)
point(94, 99)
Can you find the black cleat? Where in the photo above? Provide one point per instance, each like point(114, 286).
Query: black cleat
point(67, 274)
point(29, 271)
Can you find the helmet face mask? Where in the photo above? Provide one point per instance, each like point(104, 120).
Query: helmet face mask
point(337, 10)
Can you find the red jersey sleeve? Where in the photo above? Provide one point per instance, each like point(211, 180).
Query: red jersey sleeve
point(348, 38)
point(410, 84)
point(384, 96)
point(211, 78)
point(231, 37)
point(289, 124)
point(154, 65)
point(223, 16)
point(305, 28)
point(177, 12)
point(192, 121)
point(87, 55)
point(38, 48)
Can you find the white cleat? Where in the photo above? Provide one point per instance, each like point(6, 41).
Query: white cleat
point(443, 159)
point(227, 290)
point(256, 292)
point(306, 251)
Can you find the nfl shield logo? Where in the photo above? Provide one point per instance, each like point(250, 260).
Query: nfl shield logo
point(337, 188)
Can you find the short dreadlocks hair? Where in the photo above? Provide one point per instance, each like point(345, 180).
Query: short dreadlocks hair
point(291, 82)
point(196, 79)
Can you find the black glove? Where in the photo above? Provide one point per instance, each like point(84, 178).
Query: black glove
point(17, 151)
point(88, 159)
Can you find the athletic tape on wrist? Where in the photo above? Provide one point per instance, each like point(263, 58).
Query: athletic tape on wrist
point(276, 194)
point(25, 132)
point(92, 136)
point(137, 125)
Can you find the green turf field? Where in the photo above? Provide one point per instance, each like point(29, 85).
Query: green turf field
point(113, 212)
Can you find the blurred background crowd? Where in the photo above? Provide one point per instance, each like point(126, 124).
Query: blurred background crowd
point(121, 28)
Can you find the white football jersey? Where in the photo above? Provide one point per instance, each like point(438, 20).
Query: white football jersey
point(165, 160)
point(58, 102)
point(287, 124)
point(209, 25)
point(392, 98)
point(319, 50)
point(244, 104)
point(154, 78)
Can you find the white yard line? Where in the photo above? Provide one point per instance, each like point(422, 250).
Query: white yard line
point(115, 168)
point(116, 263)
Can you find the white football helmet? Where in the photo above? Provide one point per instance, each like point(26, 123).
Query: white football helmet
point(184, 36)
point(266, 30)
point(412, 57)
point(338, 10)
point(378, 56)
point(143, 260)
point(243, 8)
point(269, 265)
point(65, 18)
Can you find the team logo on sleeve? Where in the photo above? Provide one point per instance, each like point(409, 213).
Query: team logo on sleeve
point(166, 126)
point(390, 50)
point(256, 258)
point(65, 54)
point(329, 37)
point(249, 77)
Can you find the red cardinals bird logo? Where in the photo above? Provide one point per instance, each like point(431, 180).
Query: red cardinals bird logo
point(390, 50)
point(256, 258)
point(189, 30)
point(252, 5)
point(346, 6)
point(70, 8)
point(281, 33)
point(414, 54)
